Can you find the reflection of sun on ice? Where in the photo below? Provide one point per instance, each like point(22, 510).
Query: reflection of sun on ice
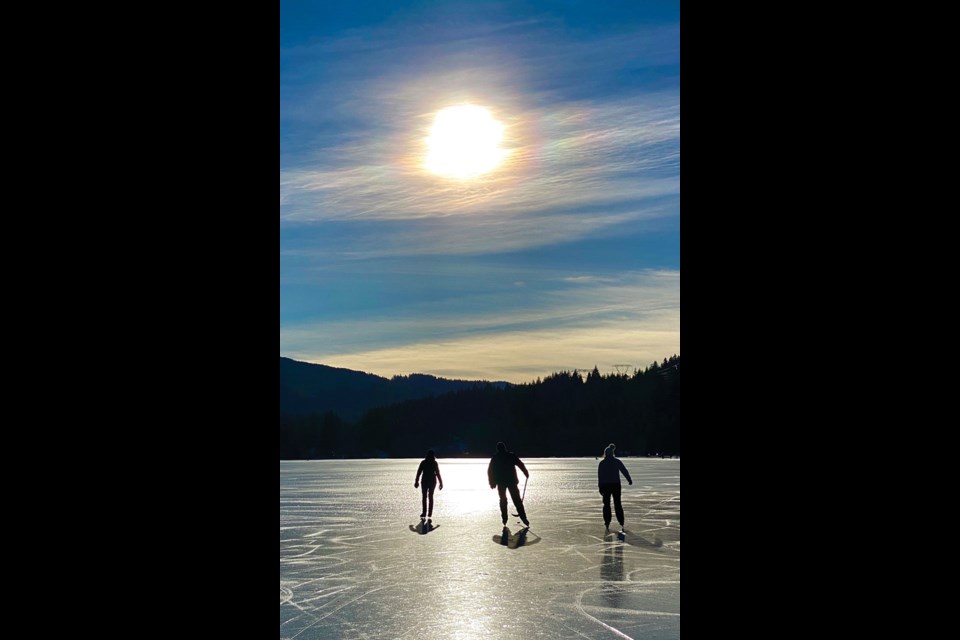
point(464, 142)
point(465, 488)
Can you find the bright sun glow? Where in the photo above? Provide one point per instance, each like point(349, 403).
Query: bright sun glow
point(465, 488)
point(464, 142)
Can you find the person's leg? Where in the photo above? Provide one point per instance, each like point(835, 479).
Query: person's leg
point(606, 506)
point(617, 505)
point(517, 502)
point(423, 488)
point(502, 490)
point(430, 511)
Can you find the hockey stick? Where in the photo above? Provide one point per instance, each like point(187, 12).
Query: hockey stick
point(517, 515)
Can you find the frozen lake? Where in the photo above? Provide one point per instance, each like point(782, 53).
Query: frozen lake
point(354, 565)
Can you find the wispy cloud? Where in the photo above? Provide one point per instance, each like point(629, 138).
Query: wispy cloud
point(581, 156)
point(591, 170)
point(603, 160)
point(520, 356)
point(635, 316)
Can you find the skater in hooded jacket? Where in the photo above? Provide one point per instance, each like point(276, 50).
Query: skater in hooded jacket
point(431, 474)
point(502, 474)
point(608, 482)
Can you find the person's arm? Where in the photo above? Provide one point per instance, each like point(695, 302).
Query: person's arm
point(523, 468)
point(623, 470)
point(598, 477)
point(438, 477)
point(490, 474)
point(416, 482)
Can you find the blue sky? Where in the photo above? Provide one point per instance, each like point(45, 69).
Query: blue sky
point(566, 256)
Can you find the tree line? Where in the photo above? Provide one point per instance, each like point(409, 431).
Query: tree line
point(564, 414)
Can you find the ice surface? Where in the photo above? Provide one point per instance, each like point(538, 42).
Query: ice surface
point(355, 563)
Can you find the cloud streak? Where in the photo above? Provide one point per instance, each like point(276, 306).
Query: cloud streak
point(519, 356)
point(578, 324)
point(581, 156)
point(592, 170)
point(604, 161)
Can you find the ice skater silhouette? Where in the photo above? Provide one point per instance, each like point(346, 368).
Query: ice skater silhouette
point(608, 482)
point(502, 474)
point(431, 474)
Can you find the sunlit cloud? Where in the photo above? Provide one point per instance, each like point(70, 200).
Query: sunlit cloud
point(581, 181)
point(521, 356)
point(634, 318)
point(583, 156)
point(587, 156)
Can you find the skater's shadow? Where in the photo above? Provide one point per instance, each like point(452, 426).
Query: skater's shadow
point(637, 540)
point(522, 538)
point(424, 528)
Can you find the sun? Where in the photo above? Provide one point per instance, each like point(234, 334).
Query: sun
point(464, 142)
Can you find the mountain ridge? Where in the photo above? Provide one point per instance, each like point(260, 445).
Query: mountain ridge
point(309, 388)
